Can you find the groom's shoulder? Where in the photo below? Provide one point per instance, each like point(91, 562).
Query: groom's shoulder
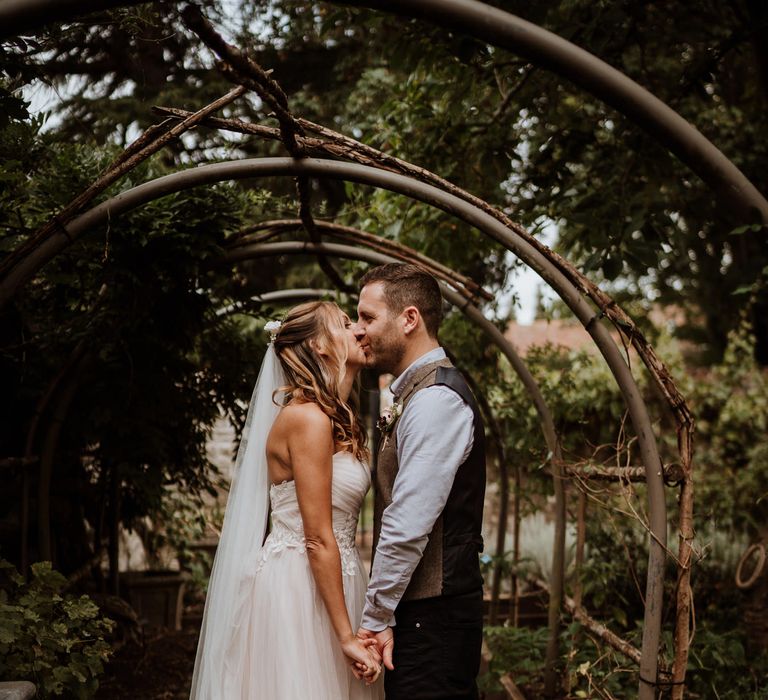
point(452, 378)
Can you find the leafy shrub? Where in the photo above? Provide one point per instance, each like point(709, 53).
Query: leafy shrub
point(516, 650)
point(593, 669)
point(731, 409)
point(170, 537)
point(50, 638)
point(730, 403)
point(718, 667)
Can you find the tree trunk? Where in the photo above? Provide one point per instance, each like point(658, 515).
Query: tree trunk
point(516, 546)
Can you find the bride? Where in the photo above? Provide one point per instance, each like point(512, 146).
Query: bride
point(280, 613)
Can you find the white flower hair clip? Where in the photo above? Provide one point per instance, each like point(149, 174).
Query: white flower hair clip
point(273, 328)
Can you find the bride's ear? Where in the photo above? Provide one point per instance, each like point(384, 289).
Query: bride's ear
point(327, 357)
point(319, 348)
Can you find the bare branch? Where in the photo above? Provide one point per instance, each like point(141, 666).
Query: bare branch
point(671, 472)
point(239, 68)
point(597, 628)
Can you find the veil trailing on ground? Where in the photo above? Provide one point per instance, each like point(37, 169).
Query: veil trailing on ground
point(218, 663)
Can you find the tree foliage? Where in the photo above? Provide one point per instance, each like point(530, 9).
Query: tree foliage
point(510, 132)
point(730, 472)
point(136, 304)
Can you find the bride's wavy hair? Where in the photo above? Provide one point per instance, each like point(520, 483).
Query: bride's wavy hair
point(315, 378)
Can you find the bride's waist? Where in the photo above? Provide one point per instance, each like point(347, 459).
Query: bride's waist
point(283, 534)
point(290, 537)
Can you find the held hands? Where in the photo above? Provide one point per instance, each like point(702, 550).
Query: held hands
point(385, 643)
point(363, 658)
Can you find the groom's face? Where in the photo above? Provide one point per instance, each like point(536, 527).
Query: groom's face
point(378, 331)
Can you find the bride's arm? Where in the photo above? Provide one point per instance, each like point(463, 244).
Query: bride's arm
point(310, 447)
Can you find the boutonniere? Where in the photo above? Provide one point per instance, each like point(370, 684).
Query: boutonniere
point(387, 419)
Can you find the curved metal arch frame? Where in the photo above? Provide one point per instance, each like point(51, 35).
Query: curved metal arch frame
point(264, 231)
point(279, 296)
point(433, 196)
point(546, 49)
point(507, 31)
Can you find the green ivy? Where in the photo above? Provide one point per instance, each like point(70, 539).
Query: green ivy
point(51, 638)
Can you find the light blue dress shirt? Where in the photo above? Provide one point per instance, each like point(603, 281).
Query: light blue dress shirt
point(434, 438)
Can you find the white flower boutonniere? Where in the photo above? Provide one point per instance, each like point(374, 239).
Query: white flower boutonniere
point(387, 419)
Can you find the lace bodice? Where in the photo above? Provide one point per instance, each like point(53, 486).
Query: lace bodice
point(351, 481)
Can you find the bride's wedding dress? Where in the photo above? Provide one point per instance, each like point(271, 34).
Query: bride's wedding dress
point(291, 649)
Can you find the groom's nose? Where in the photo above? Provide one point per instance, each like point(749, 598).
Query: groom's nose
point(358, 330)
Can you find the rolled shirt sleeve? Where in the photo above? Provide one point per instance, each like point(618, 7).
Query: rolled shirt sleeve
point(434, 438)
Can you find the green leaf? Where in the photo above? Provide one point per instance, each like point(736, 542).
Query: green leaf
point(744, 289)
point(739, 230)
point(8, 635)
point(612, 267)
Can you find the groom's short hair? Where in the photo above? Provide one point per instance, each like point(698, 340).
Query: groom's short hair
point(409, 285)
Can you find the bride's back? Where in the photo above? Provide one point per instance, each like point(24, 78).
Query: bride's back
point(290, 433)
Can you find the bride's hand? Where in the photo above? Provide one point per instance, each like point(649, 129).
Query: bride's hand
point(363, 658)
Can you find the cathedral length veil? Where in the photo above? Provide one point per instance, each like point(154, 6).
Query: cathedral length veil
point(219, 663)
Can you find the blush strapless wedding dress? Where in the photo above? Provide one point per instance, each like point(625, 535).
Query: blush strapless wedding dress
point(291, 649)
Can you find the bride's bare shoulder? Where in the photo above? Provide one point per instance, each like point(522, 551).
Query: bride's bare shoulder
point(305, 430)
point(305, 417)
point(299, 427)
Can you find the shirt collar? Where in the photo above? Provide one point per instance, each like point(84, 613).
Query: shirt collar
point(431, 356)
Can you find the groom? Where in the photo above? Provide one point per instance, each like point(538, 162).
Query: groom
point(424, 603)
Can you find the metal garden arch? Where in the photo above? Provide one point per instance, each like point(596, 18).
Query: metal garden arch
point(543, 48)
point(588, 316)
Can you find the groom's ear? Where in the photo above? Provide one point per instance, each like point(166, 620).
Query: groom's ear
point(411, 318)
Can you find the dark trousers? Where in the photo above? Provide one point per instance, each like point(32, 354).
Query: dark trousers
point(437, 649)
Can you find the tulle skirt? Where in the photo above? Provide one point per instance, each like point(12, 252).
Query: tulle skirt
point(285, 647)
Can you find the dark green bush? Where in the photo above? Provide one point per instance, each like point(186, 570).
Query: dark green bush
point(48, 637)
point(516, 650)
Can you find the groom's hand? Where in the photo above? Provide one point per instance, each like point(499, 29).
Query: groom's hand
point(385, 643)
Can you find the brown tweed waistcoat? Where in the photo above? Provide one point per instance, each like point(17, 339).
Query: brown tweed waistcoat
point(449, 564)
